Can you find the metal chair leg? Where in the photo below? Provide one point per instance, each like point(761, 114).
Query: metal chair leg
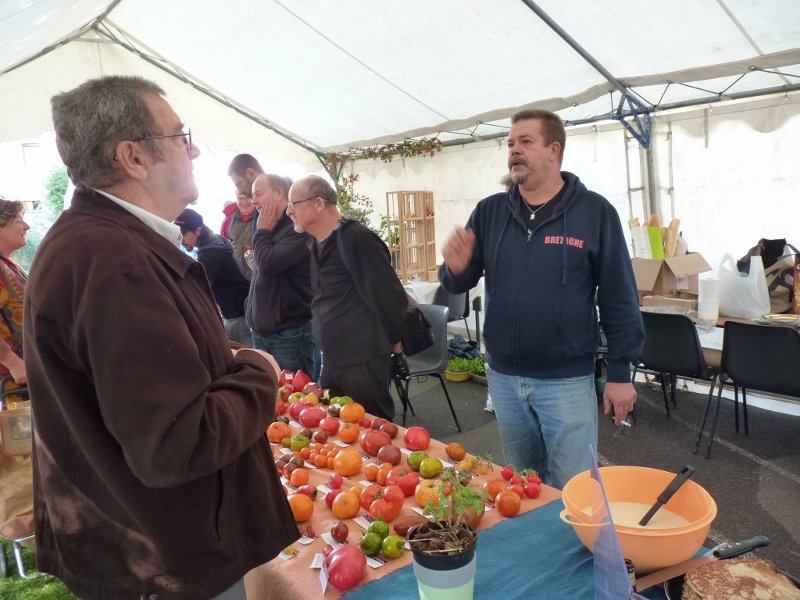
point(674, 384)
point(664, 391)
point(714, 423)
point(17, 545)
point(736, 408)
point(447, 395)
point(705, 416)
point(744, 410)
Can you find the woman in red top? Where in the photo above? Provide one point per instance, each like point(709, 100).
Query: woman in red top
point(12, 289)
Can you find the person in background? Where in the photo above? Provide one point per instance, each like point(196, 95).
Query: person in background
point(239, 225)
point(227, 283)
point(12, 289)
point(359, 304)
point(278, 307)
point(546, 246)
point(152, 475)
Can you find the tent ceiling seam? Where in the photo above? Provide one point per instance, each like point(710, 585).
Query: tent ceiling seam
point(130, 44)
point(361, 62)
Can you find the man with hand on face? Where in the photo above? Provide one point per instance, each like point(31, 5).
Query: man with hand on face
point(152, 476)
point(547, 247)
point(278, 307)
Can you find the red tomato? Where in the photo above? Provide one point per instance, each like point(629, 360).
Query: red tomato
point(533, 489)
point(404, 478)
point(368, 495)
point(300, 379)
point(388, 504)
point(417, 438)
point(346, 565)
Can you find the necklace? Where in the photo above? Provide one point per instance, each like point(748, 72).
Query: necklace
point(533, 212)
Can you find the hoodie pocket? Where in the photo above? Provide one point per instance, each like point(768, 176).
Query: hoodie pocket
point(534, 333)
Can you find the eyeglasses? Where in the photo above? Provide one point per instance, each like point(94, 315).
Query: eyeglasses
point(293, 204)
point(186, 135)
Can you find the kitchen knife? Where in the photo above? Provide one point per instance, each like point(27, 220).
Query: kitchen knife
point(717, 553)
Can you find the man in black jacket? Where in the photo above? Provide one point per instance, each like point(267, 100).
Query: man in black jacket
point(359, 306)
point(225, 277)
point(278, 307)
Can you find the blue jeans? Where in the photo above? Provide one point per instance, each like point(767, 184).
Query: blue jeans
point(238, 331)
point(293, 348)
point(546, 424)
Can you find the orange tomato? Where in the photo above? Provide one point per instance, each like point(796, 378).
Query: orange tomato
point(383, 471)
point(508, 503)
point(329, 460)
point(427, 492)
point(345, 505)
point(494, 486)
point(348, 432)
point(371, 472)
point(347, 463)
point(352, 412)
point(455, 451)
point(305, 452)
point(320, 460)
point(302, 507)
point(299, 477)
point(278, 431)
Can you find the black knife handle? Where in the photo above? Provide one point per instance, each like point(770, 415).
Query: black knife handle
point(677, 482)
point(738, 548)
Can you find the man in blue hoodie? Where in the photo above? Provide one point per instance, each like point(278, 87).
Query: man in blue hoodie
point(549, 249)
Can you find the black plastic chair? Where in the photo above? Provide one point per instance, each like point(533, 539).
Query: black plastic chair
point(432, 361)
point(672, 348)
point(457, 303)
point(760, 357)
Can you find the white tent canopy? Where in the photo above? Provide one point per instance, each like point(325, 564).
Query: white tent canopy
point(330, 75)
point(287, 79)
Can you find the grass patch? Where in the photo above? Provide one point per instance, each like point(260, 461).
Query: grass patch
point(15, 587)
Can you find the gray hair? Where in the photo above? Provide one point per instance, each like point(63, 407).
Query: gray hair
point(93, 118)
point(317, 186)
point(10, 210)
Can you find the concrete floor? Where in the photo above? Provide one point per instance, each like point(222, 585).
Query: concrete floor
point(755, 478)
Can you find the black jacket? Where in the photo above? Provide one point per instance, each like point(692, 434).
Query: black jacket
point(358, 316)
point(280, 292)
point(228, 285)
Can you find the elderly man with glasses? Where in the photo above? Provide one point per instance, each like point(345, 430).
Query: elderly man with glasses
point(152, 477)
point(359, 304)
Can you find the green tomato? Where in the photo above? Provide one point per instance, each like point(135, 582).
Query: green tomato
point(393, 546)
point(430, 467)
point(415, 459)
point(370, 544)
point(299, 442)
point(341, 400)
point(379, 527)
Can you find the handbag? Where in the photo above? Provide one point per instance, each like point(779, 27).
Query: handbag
point(743, 295)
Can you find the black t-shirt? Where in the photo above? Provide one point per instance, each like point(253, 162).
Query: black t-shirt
point(543, 211)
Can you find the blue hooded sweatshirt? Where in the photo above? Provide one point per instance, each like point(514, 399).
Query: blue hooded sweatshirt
point(541, 317)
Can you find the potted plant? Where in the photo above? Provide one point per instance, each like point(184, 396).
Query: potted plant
point(444, 549)
point(457, 369)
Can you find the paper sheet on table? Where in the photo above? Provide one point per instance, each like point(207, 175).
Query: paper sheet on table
point(611, 581)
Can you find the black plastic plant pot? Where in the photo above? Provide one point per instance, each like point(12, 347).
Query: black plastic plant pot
point(443, 562)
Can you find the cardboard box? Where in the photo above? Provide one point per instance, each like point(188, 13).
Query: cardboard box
point(683, 304)
point(660, 277)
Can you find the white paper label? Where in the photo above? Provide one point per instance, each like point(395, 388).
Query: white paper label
point(363, 521)
point(323, 578)
point(318, 561)
point(374, 562)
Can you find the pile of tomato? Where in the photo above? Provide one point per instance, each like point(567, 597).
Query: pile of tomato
point(313, 432)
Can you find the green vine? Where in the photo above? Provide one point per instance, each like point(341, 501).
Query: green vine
point(357, 206)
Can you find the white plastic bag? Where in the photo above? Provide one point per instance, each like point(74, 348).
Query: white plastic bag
point(743, 295)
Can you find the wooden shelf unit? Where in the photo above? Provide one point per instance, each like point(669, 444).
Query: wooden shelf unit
point(412, 235)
